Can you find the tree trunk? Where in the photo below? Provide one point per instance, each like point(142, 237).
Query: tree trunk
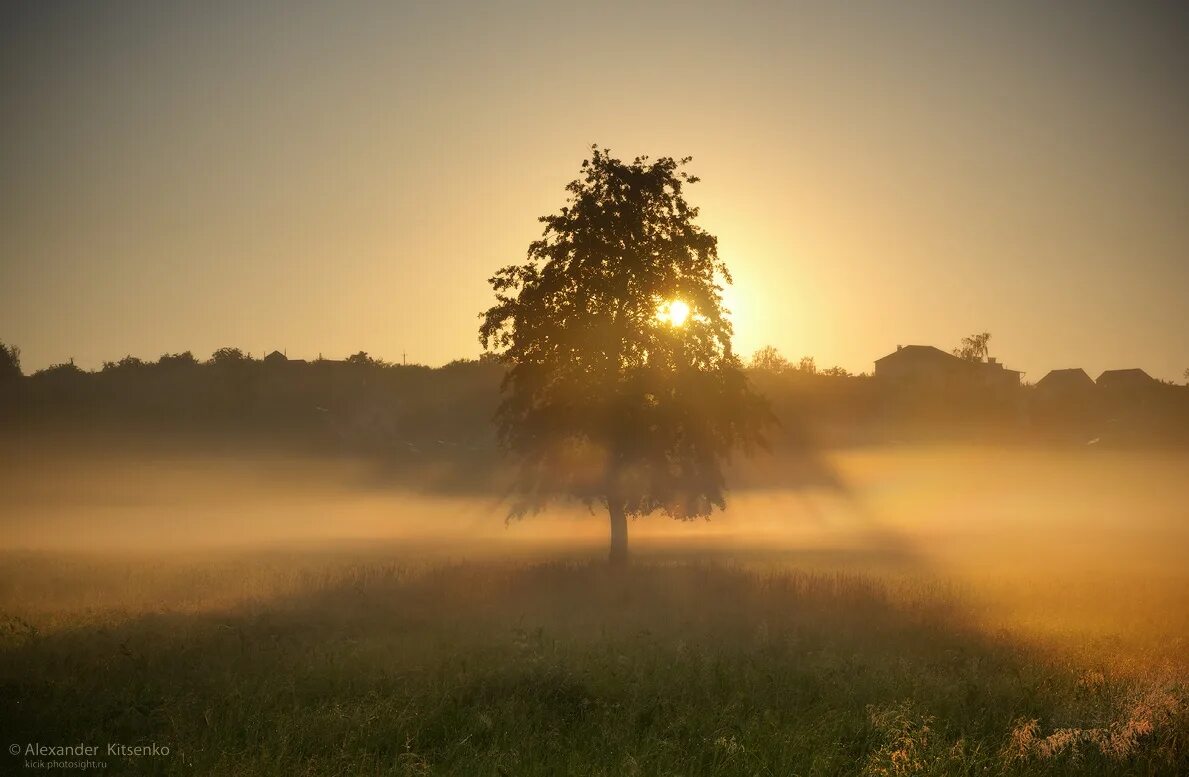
point(619, 533)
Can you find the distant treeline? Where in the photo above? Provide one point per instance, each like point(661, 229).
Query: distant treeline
point(359, 403)
point(364, 404)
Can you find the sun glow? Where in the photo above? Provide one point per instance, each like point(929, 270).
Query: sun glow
point(674, 312)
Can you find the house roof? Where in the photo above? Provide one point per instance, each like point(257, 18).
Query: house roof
point(276, 357)
point(919, 352)
point(1132, 375)
point(1072, 376)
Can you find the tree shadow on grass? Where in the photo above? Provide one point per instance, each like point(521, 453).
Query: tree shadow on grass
point(663, 668)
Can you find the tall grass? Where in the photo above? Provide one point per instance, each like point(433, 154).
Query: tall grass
point(668, 668)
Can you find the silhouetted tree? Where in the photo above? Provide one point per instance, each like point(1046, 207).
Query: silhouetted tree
point(363, 359)
point(604, 400)
point(10, 362)
point(769, 359)
point(807, 365)
point(836, 372)
point(973, 348)
point(184, 359)
point(65, 369)
point(127, 363)
point(227, 356)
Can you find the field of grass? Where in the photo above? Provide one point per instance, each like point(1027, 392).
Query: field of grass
point(679, 668)
point(348, 658)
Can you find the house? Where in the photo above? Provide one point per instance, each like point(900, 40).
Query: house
point(1066, 403)
point(1131, 388)
point(926, 365)
point(1065, 382)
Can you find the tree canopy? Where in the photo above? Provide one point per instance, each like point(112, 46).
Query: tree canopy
point(973, 348)
point(770, 359)
point(622, 387)
point(224, 356)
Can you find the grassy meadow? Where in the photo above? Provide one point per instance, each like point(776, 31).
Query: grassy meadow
point(927, 621)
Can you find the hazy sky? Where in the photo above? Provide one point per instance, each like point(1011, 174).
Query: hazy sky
point(345, 176)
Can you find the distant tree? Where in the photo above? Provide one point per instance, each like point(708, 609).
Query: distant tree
point(363, 359)
point(228, 356)
point(10, 362)
point(184, 359)
point(622, 388)
point(127, 363)
point(770, 360)
point(973, 348)
point(1185, 375)
point(836, 372)
point(65, 368)
point(807, 365)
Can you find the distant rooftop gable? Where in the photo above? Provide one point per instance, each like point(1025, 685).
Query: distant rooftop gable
point(1073, 378)
point(922, 363)
point(1125, 378)
point(920, 353)
point(276, 357)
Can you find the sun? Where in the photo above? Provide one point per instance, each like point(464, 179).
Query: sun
point(674, 312)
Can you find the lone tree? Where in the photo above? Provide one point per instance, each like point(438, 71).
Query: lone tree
point(622, 389)
point(973, 348)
